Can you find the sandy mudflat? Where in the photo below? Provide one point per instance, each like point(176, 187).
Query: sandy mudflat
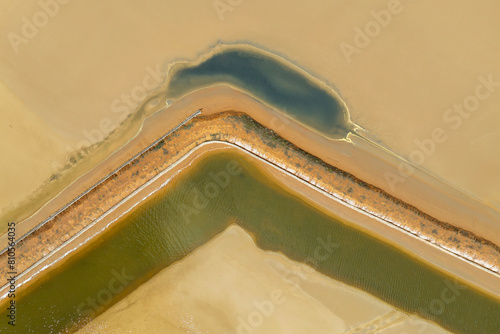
point(398, 84)
point(201, 130)
point(63, 84)
point(442, 203)
point(26, 145)
point(472, 275)
point(417, 247)
point(361, 159)
point(230, 286)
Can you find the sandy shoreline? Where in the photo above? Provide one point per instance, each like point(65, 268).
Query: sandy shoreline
point(409, 74)
point(362, 160)
point(238, 280)
point(399, 86)
point(476, 276)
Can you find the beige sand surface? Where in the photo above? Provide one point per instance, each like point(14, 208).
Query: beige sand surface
point(363, 161)
point(231, 286)
point(24, 143)
point(72, 69)
point(360, 158)
point(481, 279)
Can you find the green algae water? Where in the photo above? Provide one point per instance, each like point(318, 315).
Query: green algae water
point(219, 190)
point(275, 82)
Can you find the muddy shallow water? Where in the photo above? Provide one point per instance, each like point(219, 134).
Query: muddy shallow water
point(197, 206)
